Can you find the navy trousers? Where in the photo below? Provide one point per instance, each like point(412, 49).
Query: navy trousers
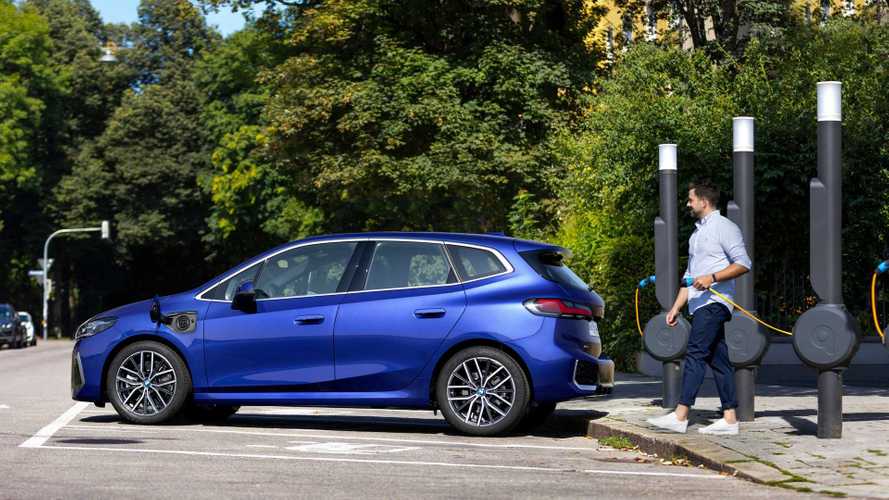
point(706, 346)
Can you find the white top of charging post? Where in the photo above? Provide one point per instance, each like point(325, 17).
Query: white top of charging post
point(666, 157)
point(742, 134)
point(830, 101)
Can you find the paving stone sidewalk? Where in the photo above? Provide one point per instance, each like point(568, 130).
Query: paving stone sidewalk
point(779, 448)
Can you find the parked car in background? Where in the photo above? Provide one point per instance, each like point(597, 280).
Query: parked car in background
point(11, 331)
point(28, 324)
point(491, 331)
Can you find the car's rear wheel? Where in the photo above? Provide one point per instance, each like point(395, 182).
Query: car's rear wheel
point(482, 391)
point(147, 383)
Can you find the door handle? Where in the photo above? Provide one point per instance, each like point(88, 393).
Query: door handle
point(311, 319)
point(429, 313)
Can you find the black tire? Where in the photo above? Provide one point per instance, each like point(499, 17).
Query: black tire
point(34, 341)
point(209, 413)
point(181, 391)
point(512, 415)
point(536, 416)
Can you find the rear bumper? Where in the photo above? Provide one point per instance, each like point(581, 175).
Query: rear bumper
point(560, 367)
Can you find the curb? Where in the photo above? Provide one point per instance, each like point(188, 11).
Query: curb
point(696, 450)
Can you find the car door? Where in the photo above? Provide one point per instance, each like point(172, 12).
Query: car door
point(408, 301)
point(287, 343)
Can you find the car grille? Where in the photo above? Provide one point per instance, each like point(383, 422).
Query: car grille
point(586, 373)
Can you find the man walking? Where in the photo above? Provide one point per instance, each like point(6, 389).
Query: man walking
point(716, 256)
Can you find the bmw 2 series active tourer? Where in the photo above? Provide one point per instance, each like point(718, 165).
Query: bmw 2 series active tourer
point(490, 330)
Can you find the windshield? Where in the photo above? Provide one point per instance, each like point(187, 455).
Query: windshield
point(24, 316)
point(5, 313)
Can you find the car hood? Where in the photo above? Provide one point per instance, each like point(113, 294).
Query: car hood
point(179, 302)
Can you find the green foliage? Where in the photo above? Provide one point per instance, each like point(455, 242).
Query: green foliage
point(25, 80)
point(410, 123)
point(666, 95)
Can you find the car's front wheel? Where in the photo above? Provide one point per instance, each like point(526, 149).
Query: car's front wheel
point(147, 383)
point(482, 391)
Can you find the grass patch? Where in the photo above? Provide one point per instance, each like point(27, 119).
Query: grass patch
point(617, 442)
point(879, 453)
point(836, 494)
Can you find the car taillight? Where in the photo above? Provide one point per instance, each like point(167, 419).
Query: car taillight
point(559, 308)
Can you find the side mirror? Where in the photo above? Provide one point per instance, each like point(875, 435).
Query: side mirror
point(245, 298)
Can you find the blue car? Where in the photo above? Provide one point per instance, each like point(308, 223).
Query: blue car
point(490, 330)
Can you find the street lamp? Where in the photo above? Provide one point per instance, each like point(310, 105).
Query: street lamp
point(108, 52)
point(104, 229)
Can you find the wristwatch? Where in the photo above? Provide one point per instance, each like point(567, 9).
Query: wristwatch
point(713, 276)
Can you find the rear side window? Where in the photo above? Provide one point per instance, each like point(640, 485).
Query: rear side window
point(401, 264)
point(474, 263)
point(549, 265)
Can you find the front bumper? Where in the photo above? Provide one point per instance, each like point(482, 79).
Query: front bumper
point(78, 380)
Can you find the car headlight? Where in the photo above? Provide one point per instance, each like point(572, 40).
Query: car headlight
point(93, 327)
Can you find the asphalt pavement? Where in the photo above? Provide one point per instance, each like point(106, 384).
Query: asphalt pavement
point(53, 447)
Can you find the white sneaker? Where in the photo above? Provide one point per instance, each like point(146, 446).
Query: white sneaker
point(669, 422)
point(720, 427)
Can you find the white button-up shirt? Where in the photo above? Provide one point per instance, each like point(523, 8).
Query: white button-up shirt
point(715, 243)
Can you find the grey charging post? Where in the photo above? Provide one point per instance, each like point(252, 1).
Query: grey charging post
point(826, 337)
point(746, 341)
point(663, 342)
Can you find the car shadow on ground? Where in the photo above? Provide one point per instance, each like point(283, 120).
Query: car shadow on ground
point(563, 424)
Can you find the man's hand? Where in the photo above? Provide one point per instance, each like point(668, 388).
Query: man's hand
point(703, 282)
point(673, 317)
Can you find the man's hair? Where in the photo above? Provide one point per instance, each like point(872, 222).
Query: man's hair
point(705, 189)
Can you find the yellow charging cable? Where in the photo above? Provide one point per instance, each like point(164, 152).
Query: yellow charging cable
point(651, 279)
point(882, 268)
point(749, 314)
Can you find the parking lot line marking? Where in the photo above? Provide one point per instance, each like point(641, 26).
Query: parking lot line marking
point(45, 433)
point(370, 461)
point(341, 436)
point(4, 407)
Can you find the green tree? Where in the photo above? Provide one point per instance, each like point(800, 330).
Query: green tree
point(27, 87)
point(25, 81)
point(143, 172)
point(410, 115)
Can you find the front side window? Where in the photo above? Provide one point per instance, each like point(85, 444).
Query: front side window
point(475, 263)
point(307, 270)
point(404, 264)
point(226, 289)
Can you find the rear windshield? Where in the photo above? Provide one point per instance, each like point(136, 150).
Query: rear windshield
point(549, 265)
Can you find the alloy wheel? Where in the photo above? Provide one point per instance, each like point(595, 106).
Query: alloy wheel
point(146, 383)
point(481, 391)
